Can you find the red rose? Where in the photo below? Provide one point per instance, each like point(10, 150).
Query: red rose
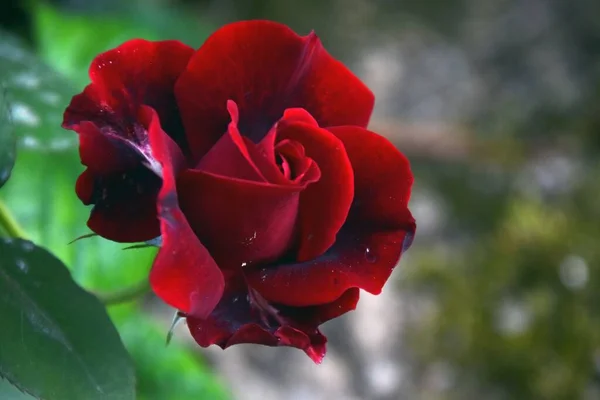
point(251, 159)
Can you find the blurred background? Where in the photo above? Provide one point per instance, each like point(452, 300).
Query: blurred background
point(497, 105)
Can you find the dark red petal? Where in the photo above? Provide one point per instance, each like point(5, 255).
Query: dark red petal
point(126, 222)
point(265, 68)
point(294, 160)
point(357, 260)
point(118, 183)
point(317, 315)
point(84, 187)
point(382, 178)
point(234, 321)
point(324, 204)
point(239, 221)
point(184, 274)
point(379, 228)
point(105, 153)
point(135, 73)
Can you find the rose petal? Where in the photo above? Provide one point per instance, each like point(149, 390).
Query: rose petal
point(184, 274)
point(382, 179)
point(135, 73)
point(234, 321)
point(240, 222)
point(118, 183)
point(124, 205)
point(357, 260)
point(317, 315)
point(324, 204)
point(379, 228)
point(237, 157)
point(230, 156)
point(265, 68)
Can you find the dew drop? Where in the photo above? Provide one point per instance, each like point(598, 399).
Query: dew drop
point(26, 80)
point(370, 256)
point(248, 241)
point(244, 264)
point(50, 98)
point(23, 114)
point(22, 266)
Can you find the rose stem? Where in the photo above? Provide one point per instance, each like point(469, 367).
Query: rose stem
point(9, 224)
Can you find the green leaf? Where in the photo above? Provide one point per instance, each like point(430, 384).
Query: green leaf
point(7, 138)
point(171, 372)
point(41, 192)
point(56, 341)
point(37, 97)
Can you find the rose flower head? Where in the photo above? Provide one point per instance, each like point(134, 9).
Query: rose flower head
point(251, 160)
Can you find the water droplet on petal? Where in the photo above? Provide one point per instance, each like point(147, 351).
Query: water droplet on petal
point(370, 256)
point(250, 239)
point(244, 264)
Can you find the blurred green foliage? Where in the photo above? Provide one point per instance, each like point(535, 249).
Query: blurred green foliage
point(511, 307)
point(69, 41)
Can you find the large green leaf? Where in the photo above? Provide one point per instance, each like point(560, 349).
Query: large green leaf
point(57, 341)
point(37, 96)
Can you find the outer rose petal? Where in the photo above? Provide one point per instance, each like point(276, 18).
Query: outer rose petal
point(324, 205)
point(135, 73)
point(184, 274)
point(236, 321)
point(122, 189)
point(383, 179)
point(113, 140)
point(357, 260)
point(379, 228)
point(265, 68)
